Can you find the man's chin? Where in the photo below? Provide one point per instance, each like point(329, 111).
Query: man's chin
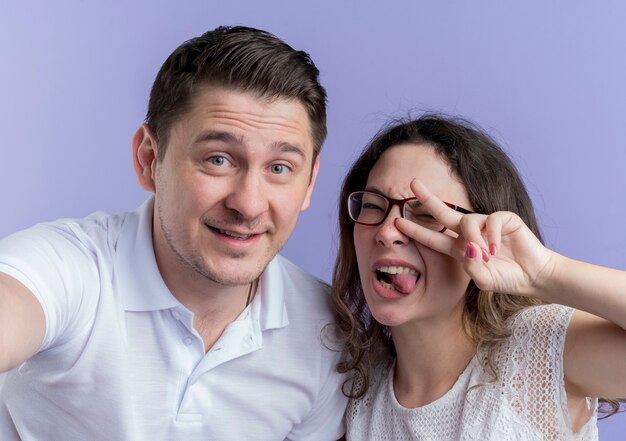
point(232, 269)
point(237, 275)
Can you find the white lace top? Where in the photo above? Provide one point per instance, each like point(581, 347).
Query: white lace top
point(527, 403)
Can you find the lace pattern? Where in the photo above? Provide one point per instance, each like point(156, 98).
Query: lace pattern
point(527, 403)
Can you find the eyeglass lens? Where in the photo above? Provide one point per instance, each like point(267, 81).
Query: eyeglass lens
point(371, 209)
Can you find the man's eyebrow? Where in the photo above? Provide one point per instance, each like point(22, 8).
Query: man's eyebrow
point(286, 147)
point(213, 135)
point(230, 138)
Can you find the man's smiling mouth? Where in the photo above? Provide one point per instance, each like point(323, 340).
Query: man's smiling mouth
point(235, 235)
point(232, 234)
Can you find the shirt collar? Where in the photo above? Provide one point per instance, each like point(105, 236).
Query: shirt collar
point(269, 306)
point(136, 272)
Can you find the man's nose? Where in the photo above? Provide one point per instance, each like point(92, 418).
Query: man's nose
point(248, 196)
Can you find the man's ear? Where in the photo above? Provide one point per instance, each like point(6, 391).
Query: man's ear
point(145, 157)
point(309, 190)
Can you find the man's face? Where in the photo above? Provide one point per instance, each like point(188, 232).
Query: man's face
point(235, 176)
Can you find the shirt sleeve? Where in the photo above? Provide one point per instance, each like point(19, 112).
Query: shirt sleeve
point(535, 379)
point(325, 421)
point(59, 269)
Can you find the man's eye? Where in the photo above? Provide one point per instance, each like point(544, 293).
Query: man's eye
point(279, 169)
point(217, 160)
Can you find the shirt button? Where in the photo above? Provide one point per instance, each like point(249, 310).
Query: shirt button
point(187, 340)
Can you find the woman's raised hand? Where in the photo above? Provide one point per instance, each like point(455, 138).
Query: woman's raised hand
point(498, 251)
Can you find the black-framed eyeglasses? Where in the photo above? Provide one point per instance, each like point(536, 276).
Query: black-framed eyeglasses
point(369, 208)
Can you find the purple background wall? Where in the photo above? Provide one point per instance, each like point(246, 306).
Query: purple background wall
point(545, 78)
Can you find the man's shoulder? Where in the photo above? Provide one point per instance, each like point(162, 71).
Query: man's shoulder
point(304, 295)
point(101, 227)
point(293, 275)
point(99, 222)
point(98, 229)
point(94, 234)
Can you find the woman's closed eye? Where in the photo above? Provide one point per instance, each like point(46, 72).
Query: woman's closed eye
point(371, 206)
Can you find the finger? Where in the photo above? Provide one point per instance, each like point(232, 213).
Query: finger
point(493, 230)
point(472, 228)
point(475, 264)
point(432, 239)
point(448, 217)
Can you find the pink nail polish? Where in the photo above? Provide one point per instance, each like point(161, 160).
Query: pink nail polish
point(485, 255)
point(493, 249)
point(470, 251)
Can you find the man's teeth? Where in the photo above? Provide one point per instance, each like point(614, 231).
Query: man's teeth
point(234, 235)
point(397, 270)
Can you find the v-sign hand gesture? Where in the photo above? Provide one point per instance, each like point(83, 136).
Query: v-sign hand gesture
point(498, 251)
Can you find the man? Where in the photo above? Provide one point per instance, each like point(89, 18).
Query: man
point(179, 321)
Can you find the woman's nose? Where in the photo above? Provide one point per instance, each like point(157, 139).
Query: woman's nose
point(387, 234)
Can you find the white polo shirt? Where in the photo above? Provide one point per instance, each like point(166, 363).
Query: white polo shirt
point(120, 359)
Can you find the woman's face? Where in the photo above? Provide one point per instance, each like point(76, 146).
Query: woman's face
point(404, 281)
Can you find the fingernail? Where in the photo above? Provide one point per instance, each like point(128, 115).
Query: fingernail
point(470, 251)
point(493, 249)
point(485, 254)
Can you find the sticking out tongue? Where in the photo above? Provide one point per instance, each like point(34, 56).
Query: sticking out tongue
point(403, 283)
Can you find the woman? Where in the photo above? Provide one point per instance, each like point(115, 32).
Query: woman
point(451, 313)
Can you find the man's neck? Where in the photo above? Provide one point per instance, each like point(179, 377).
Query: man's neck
point(215, 310)
point(214, 305)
